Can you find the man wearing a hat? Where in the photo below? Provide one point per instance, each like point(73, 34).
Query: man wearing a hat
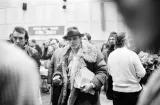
point(71, 59)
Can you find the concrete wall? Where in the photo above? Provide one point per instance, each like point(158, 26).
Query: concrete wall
point(88, 15)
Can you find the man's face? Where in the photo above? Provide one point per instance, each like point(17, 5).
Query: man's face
point(74, 41)
point(19, 39)
point(112, 40)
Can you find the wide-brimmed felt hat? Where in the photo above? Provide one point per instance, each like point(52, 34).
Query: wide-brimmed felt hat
point(71, 33)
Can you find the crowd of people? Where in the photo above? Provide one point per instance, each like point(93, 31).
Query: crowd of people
point(114, 65)
point(77, 69)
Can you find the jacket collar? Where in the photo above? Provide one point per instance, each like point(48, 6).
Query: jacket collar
point(88, 52)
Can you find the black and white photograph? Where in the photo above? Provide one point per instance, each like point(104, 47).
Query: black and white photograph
point(79, 52)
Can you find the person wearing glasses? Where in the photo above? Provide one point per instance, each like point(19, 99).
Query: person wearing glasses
point(70, 60)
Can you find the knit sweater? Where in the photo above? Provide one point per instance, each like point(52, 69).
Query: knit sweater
point(126, 70)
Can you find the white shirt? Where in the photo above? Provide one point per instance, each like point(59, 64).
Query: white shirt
point(126, 70)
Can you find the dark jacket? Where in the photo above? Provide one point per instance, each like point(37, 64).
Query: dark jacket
point(34, 53)
point(46, 54)
point(108, 86)
point(106, 50)
point(94, 61)
point(38, 48)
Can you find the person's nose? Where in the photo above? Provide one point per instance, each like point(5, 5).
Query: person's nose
point(18, 40)
point(73, 41)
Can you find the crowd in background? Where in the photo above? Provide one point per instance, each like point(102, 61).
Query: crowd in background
point(46, 54)
point(123, 70)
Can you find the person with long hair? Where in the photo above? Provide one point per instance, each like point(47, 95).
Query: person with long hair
point(106, 50)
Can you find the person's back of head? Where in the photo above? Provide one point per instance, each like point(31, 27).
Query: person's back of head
point(19, 81)
point(121, 39)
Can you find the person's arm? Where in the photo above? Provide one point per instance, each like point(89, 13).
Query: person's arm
point(54, 69)
point(38, 48)
point(101, 72)
point(51, 69)
point(46, 54)
point(140, 71)
point(32, 52)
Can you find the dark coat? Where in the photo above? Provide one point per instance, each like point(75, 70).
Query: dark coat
point(34, 53)
point(53, 67)
point(108, 86)
point(94, 61)
point(46, 56)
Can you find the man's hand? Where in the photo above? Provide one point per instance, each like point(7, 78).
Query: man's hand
point(88, 88)
point(31, 51)
point(57, 80)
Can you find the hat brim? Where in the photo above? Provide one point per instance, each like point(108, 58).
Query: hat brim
point(66, 37)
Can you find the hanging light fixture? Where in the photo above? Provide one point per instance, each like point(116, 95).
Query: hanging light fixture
point(64, 4)
point(24, 6)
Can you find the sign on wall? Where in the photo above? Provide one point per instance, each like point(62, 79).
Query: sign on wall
point(46, 30)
